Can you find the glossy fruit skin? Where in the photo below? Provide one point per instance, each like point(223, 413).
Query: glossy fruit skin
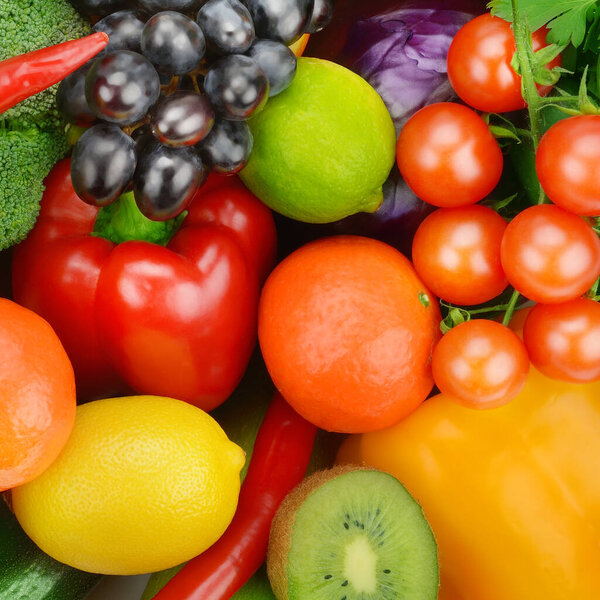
point(149, 317)
point(70, 98)
point(37, 395)
point(562, 340)
point(166, 180)
point(281, 20)
point(182, 119)
point(227, 26)
point(566, 164)
point(277, 61)
point(227, 147)
point(124, 29)
point(174, 43)
point(448, 156)
point(102, 149)
point(523, 475)
point(346, 329)
point(121, 86)
point(550, 255)
point(456, 251)
point(236, 86)
point(480, 364)
point(479, 65)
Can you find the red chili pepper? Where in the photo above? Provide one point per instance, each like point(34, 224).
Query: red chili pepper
point(27, 74)
point(279, 460)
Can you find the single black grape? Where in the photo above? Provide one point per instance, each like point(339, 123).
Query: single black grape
point(184, 6)
point(182, 119)
point(227, 26)
point(121, 86)
point(173, 42)
point(102, 164)
point(321, 16)
point(236, 86)
point(70, 98)
point(277, 61)
point(166, 179)
point(280, 20)
point(101, 7)
point(124, 30)
point(227, 147)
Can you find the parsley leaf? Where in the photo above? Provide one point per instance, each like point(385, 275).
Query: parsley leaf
point(566, 19)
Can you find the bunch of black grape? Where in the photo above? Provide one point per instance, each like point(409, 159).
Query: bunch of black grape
point(168, 98)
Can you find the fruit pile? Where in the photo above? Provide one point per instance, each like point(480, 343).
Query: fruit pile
point(359, 359)
point(169, 96)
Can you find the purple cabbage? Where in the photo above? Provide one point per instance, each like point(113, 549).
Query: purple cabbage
point(402, 53)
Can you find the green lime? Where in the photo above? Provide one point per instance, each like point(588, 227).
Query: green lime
point(323, 147)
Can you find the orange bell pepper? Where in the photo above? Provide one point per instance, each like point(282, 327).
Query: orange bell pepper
point(512, 494)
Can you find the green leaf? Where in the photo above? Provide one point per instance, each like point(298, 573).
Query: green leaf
point(547, 54)
point(543, 76)
point(566, 19)
point(586, 106)
point(503, 132)
point(500, 204)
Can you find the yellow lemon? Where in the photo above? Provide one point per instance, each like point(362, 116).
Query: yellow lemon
point(144, 483)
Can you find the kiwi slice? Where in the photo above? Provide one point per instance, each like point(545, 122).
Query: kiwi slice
point(351, 533)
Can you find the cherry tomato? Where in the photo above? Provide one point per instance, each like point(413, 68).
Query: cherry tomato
point(448, 156)
point(479, 65)
point(480, 364)
point(563, 340)
point(567, 164)
point(550, 255)
point(456, 252)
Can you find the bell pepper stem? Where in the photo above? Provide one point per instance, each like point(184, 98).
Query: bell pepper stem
point(122, 221)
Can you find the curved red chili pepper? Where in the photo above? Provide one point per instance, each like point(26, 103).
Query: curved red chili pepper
point(279, 460)
point(27, 74)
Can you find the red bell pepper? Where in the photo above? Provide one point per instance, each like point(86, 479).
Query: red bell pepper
point(279, 461)
point(27, 74)
point(176, 320)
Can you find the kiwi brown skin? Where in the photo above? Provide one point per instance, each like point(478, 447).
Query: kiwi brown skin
point(280, 537)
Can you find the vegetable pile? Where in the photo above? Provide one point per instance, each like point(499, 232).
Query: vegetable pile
point(32, 137)
point(216, 379)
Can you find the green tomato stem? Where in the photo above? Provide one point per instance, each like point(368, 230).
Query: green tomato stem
point(529, 89)
point(512, 303)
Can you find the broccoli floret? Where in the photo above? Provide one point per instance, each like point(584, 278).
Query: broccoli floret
point(26, 157)
point(32, 134)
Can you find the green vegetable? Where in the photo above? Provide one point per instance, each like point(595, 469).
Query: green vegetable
point(27, 573)
point(32, 135)
point(566, 19)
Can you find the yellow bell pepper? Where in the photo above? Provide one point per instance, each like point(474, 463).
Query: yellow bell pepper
point(512, 494)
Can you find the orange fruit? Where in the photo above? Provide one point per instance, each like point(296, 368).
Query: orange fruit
point(37, 395)
point(346, 328)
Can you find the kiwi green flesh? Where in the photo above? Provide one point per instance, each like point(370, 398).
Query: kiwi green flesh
point(361, 536)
